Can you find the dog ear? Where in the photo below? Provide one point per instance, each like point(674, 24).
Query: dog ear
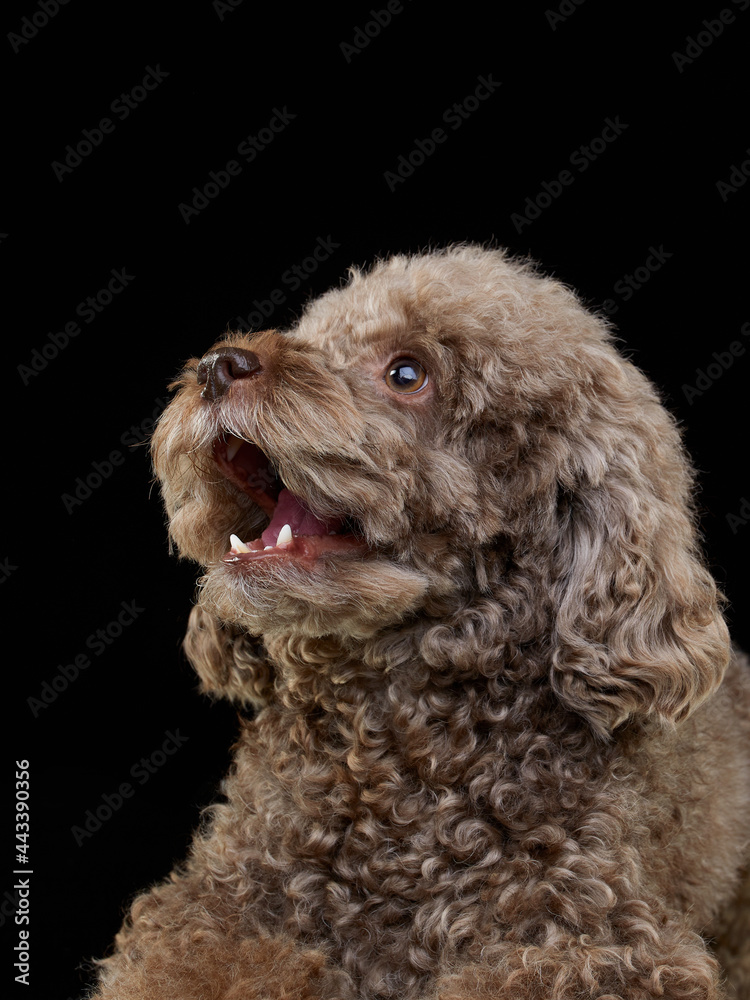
point(230, 663)
point(638, 626)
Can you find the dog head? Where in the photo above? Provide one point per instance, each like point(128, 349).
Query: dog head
point(446, 459)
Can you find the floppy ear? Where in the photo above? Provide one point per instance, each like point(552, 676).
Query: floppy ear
point(638, 626)
point(230, 663)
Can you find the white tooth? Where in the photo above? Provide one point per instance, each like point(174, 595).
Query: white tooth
point(233, 446)
point(267, 547)
point(285, 537)
point(237, 544)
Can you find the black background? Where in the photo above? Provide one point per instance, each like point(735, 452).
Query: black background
point(225, 74)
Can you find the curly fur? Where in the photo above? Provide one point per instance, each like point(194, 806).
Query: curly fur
point(501, 746)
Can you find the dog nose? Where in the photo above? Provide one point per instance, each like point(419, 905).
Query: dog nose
point(218, 369)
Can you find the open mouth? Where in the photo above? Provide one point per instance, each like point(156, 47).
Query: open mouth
point(293, 529)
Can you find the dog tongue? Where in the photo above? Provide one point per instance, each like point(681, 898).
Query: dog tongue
point(290, 510)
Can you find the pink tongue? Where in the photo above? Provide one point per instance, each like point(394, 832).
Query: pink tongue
point(291, 511)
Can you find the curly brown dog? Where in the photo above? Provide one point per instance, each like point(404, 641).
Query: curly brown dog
point(501, 746)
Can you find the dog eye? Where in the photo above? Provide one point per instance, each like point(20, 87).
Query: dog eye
point(405, 375)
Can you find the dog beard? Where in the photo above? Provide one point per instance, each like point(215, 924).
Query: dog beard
point(350, 598)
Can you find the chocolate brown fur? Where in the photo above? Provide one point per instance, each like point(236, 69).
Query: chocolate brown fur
point(502, 749)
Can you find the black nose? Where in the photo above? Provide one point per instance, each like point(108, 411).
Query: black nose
point(218, 369)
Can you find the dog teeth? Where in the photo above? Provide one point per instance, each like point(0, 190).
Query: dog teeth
point(237, 544)
point(285, 537)
point(233, 446)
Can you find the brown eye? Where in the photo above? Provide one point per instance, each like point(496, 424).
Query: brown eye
point(405, 375)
